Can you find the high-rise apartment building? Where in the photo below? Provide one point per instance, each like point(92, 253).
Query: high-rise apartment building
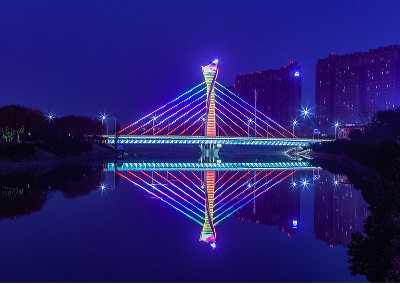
point(276, 93)
point(351, 88)
point(382, 79)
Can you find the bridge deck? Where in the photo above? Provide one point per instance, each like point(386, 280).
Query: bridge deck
point(290, 165)
point(197, 140)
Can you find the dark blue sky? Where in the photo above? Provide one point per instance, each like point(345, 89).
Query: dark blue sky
point(127, 57)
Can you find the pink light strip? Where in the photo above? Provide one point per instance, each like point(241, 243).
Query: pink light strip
point(188, 119)
point(155, 195)
point(218, 110)
point(192, 182)
point(227, 124)
point(241, 120)
point(229, 91)
point(198, 128)
point(160, 108)
point(175, 114)
point(170, 116)
point(235, 182)
point(251, 115)
point(288, 175)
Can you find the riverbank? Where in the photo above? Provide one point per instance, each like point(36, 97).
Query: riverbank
point(374, 168)
point(43, 159)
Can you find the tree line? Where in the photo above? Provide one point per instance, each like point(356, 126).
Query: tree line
point(23, 124)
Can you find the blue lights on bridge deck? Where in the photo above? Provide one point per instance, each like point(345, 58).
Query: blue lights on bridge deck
point(150, 166)
point(197, 140)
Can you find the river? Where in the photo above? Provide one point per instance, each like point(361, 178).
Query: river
point(87, 223)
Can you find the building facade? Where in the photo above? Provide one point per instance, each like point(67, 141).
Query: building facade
point(276, 93)
point(351, 88)
point(382, 79)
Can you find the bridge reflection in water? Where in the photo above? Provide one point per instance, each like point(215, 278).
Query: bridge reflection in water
point(208, 193)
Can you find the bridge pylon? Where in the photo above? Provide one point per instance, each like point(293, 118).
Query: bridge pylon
point(210, 73)
point(208, 233)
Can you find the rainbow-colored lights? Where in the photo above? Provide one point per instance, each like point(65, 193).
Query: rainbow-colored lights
point(207, 197)
point(210, 110)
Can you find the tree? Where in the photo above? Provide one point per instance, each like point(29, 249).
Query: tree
point(17, 122)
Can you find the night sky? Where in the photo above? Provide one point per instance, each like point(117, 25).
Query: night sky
point(127, 57)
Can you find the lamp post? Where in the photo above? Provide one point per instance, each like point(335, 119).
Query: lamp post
point(103, 117)
point(336, 126)
point(203, 126)
point(115, 126)
point(154, 119)
point(248, 127)
point(294, 123)
point(255, 112)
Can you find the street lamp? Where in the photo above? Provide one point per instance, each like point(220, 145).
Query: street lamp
point(305, 112)
point(50, 117)
point(294, 123)
point(255, 112)
point(103, 117)
point(336, 126)
point(248, 126)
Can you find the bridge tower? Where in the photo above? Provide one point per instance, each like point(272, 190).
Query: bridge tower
point(208, 233)
point(210, 73)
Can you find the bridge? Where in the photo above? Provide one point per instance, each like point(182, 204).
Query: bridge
point(165, 166)
point(208, 193)
point(208, 114)
point(198, 140)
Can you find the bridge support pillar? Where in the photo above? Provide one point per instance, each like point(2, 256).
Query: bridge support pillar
point(210, 153)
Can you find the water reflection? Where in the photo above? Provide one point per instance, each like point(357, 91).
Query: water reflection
point(339, 209)
point(277, 197)
point(22, 193)
point(207, 197)
point(269, 196)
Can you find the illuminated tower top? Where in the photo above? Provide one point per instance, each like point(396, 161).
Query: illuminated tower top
point(210, 73)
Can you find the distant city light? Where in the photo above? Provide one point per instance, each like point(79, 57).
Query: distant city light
point(102, 187)
point(294, 184)
point(294, 222)
point(215, 61)
point(213, 245)
point(295, 122)
point(297, 74)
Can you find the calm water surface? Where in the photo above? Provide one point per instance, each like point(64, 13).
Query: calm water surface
point(62, 225)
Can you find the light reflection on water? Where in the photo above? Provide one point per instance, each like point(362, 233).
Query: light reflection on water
point(306, 206)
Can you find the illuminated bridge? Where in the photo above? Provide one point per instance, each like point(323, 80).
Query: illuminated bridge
point(198, 140)
point(208, 193)
point(208, 114)
point(159, 166)
point(206, 196)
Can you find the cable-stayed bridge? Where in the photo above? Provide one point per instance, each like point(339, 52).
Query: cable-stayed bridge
point(208, 114)
point(208, 193)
